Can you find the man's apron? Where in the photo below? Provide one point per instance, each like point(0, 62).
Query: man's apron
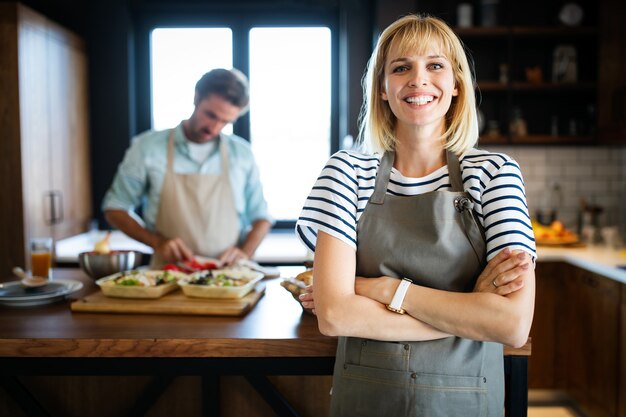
point(434, 240)
point(198, 208)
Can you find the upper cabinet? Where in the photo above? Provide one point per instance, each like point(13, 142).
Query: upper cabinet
point(44, 151)
point(538, 66)
point(611, 72)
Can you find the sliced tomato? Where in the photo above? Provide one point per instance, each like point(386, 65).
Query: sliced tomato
point(171, 267)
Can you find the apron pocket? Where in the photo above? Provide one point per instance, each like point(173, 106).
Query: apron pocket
point(374, 392)
point(449, 395)
point(377, 354)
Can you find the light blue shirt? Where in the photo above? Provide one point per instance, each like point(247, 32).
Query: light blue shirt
point(140, 176)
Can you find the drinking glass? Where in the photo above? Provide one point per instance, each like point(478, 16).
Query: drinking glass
point(41, 256)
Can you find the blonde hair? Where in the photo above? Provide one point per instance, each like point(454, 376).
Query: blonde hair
point(415, 33)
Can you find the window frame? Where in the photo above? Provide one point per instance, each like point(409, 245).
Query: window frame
point(240, 23)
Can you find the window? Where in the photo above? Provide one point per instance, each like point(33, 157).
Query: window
point(289, 123)
point(179, 57)
point(290, 92)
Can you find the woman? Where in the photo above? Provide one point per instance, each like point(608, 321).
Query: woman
point(430, 209)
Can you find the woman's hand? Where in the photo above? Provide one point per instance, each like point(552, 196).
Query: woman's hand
point(503, 273)
point(306, 298)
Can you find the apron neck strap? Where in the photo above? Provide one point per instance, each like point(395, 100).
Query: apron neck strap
point(170, 151)
point(224, 156)
point(384, 172)
point(382, 178)
point(454, 171)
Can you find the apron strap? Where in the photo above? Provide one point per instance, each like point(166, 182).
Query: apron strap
point(224, 158)
point(170, 151)
point(384, 172)
point(454, 171)
point(382, 178)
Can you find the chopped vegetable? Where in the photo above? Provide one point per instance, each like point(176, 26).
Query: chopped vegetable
point(171, 267)
point(220, 280)
point(141, 279)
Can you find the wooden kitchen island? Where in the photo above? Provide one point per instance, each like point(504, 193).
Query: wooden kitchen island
point(272, 361)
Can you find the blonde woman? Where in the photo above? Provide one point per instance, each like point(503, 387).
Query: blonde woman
point(424, 252)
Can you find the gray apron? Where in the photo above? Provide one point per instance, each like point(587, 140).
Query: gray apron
point(198, 208)
point(434, 240)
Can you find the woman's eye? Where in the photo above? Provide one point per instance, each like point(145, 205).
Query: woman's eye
point(400, 68)
point(436, 66)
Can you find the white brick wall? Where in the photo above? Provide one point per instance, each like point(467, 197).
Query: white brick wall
point(597, 174)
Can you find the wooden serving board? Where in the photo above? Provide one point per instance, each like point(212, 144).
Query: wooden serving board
point(172, 303)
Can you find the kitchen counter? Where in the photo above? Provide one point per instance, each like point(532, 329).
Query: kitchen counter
point(597, 259)
point(274, 338)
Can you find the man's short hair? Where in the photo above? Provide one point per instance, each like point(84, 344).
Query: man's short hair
point(231, 84)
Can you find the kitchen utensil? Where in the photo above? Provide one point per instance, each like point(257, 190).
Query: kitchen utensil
point(28, 280)
point(98, 265)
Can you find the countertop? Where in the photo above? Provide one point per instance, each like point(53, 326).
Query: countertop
point(275, 327)
point(597, 259)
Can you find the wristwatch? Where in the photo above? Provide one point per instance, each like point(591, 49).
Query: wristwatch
point(398, 297)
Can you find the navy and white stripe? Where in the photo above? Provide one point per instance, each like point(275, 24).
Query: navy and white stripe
point(493, 180)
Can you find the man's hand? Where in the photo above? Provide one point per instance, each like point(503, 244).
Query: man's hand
point(232, 255)
point(173, 250)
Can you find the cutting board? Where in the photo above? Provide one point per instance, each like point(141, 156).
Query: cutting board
point(172, 303)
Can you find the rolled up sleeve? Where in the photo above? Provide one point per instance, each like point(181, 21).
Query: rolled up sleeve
point(129, 183)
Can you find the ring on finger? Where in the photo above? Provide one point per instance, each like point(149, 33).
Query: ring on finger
point(494, 283)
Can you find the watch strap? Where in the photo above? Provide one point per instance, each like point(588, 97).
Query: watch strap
point(398, 297)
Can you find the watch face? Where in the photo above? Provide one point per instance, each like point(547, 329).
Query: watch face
point(571, 14)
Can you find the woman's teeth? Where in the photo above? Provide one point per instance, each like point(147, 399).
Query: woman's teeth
point(419, 100)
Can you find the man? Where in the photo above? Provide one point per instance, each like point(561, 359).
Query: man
point(201, 187)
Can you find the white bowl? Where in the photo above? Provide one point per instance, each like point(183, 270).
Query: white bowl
point(111, 289)
point(249, 277)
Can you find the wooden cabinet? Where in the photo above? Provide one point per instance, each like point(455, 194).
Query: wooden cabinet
point(44, 153)
point(577, 327)
point(542, 363)
point(591, 342)
point(514, 51)
point(622, 355)
point(611, 80)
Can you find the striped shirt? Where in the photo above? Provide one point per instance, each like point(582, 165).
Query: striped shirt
point(493, 180)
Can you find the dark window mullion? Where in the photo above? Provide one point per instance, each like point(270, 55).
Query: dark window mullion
point(241, 61)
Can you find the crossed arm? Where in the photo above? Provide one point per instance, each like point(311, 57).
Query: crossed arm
point(350, 306)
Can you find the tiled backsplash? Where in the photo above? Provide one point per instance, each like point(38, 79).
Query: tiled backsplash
point(596, 174)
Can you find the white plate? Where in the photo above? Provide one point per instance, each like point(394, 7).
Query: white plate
point(110, 289)
point(14, 294)
point(213, 291)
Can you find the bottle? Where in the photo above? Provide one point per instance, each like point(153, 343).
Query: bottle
point(489, 13)
point(464, 15)
point(518, 126)
point(550, 203)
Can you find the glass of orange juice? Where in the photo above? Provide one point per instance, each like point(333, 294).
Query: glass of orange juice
point(41, 256)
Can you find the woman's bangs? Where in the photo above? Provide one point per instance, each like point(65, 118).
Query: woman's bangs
point(422, 39)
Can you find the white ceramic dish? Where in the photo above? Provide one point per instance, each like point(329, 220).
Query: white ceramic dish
point(111, 289)
point(215, 291)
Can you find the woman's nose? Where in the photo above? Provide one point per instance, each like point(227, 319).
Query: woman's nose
point(418, 77)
